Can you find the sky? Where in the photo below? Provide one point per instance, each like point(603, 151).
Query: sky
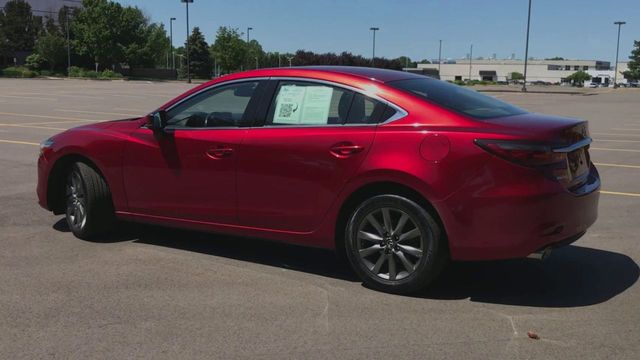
point(574, 29)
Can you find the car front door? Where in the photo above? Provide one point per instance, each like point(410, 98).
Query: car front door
point(314, 139)
point(188, 171)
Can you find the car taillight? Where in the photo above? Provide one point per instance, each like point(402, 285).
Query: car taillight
point(523, 153)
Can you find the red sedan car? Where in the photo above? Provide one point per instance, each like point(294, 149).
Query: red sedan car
point(400, 171)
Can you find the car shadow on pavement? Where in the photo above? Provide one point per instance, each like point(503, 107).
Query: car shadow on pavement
point(572, 276)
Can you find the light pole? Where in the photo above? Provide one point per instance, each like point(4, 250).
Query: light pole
point(439, 57)
point(470, 61)
point(373, 58)
point(67, 9)
point(173, 55)
point(248, 31)
point(186, 3)
point(66, 15)
point(615, 74)
point(526, 50)
point(290, 58)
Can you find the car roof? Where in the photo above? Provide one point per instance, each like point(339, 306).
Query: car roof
point(380, 75)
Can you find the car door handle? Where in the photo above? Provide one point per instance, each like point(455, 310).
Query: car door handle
point(345, 150)
point(219, 152)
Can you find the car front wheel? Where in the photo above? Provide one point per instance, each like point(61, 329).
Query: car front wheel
point(89, 210)
point(394, 244)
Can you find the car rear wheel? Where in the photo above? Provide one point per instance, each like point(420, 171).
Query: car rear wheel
point(394, 244)
point(89, 210)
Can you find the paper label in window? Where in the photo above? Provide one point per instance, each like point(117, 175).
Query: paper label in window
point(289, 104)
point(317, 101)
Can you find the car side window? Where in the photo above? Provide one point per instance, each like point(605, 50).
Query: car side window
point(365, 110)
point(299, 103)
point(222, 106)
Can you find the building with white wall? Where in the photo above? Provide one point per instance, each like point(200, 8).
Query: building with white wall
point(549, 71)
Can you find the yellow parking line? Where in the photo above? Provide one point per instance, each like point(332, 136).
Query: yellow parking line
point(609, 149)
point(611, 134)
point(619, 165)
point(33, 127)
point(619, 193)
point(18, 142)
point(60, 122)
point(58, 95)
point(136, 110)
point(40, 116)
point(622, 141)
point(95, 112)
point(27, 97)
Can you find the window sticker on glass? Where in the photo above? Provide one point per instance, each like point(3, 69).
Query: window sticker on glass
point(289, 104)
point(303, 105)
point(317, 101)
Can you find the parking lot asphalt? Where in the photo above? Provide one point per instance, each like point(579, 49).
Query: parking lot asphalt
point(158, 293)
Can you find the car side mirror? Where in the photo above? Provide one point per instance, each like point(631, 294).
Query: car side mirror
point(158, 120)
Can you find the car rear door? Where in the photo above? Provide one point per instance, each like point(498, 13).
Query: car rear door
point(314, 138)
point(189, 170)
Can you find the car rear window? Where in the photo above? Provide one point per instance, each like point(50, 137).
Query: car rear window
point(457, 98)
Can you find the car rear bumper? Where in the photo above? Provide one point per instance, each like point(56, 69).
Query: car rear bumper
point(512, 213)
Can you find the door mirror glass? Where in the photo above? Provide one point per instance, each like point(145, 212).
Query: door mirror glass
point(158, 120)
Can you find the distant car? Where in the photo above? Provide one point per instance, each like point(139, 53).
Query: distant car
point(593, 85)
point(398, 171)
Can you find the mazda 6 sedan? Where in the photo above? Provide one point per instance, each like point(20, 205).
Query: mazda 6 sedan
point(399, 172)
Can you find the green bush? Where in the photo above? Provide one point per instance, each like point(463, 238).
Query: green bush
point(75, 71)
point(90, 74)
point(18, 72)
point(35, 62)
point(108, 74)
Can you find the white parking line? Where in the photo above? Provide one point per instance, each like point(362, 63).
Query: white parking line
point(618, 165)
point(619, 193)
point(609, 149)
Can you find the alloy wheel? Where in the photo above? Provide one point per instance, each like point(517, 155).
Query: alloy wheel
point(390, 243)
point(76, 201)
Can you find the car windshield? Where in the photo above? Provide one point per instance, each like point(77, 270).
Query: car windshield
point(457, 98)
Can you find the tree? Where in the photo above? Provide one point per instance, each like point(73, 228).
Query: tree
point(253, 50)
point(52, 49)
point(111, 34)
point(97, 29)
point(634, 64)
point(516, 76)
point(150, 49)
point(579, 77)
point(229, 49)
point(555, 58)
point(199, 56)
point(19, 27)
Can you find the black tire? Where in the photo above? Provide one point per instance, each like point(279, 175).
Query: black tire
point(93, 216)
point(409, 272)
